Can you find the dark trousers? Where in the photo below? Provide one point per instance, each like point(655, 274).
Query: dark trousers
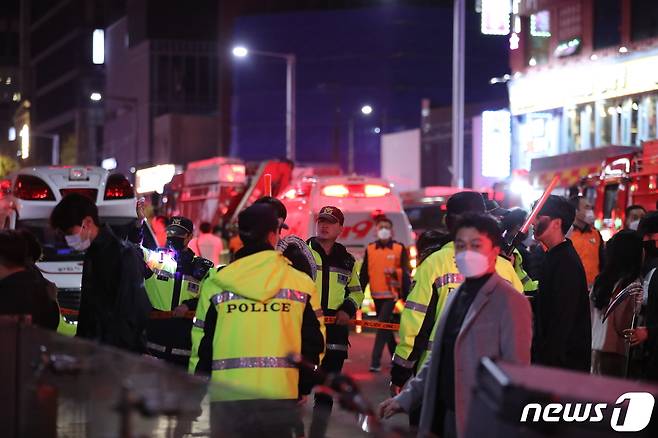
point(253, 418)
point(444, 423)
point(384, 310)
point(331, 364)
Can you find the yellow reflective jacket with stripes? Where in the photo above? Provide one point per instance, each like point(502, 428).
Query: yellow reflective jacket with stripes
point(253, 314)
point(435, 278)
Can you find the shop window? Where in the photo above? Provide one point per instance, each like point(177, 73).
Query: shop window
point(539, 38)
point(644, 19)
point(610, 200)
point(607, 23)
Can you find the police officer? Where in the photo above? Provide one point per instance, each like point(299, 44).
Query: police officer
point(435, 278)
point(341, 295)
point(259, 310)
point(172, 277)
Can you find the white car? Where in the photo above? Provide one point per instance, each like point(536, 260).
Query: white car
point(28, 197)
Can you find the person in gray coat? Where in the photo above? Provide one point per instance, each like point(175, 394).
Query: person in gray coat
point(485, 317)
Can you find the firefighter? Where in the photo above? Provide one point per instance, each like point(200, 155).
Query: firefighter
point(258, 310)
point(386, 268)
point(586, 239)
point(337, 281)
point(435, 278)
point(172, 277)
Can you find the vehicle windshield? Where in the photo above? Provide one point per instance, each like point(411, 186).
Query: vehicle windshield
point(54, 246)
point(425, 217)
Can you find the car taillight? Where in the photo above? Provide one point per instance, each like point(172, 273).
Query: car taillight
point(31, 188)
point(118, 187)
point(337, 191)
point(356, 190)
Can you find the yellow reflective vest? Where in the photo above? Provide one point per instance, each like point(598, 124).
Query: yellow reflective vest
point(259, 302)
point(338, 286)
point(435, 278)
point(160, 285)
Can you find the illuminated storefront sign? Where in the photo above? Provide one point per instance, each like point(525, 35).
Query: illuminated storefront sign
point(586, 82)
point(496, 17)
point(153, 179)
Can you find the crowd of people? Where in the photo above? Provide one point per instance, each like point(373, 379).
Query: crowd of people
point(556, 296)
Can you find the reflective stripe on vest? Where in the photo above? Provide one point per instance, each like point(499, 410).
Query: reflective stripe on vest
point(162, 349)
point(337, 347)
point(415, 306)
point(252, 362)
point(402, 362)
point(283, 294)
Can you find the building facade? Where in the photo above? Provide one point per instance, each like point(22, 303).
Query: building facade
point(162, 71)
point(584, 78)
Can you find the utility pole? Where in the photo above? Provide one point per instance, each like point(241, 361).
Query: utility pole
point(458, 52)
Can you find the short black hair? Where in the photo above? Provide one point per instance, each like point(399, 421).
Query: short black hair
point(558, 207)
point(484, 223)
point(382, 218)
point(256, 222)
point(72, 210)
point(13, 249)
point(278, 206)
point(462, 203)
point(575, 201)
point(633, 207)
point(205, 227)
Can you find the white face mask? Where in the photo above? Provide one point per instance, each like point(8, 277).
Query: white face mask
point(471, 263)
point(384, 233)
point(633, 225)
point(76, 242)
point(589, 217)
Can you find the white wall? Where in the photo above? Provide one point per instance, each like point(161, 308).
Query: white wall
point(400, 159)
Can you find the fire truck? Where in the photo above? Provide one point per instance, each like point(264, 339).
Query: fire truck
point(623, 176)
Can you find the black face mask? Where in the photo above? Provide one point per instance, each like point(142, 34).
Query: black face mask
point(176, 243)
point(541, 226)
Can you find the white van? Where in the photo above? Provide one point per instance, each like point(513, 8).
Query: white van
point(28, 197)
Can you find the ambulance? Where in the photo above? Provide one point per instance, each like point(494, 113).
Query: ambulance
point(360, 199)
point(28, 196)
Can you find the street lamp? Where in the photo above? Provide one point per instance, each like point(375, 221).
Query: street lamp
point(366, 110)
point(243, 52)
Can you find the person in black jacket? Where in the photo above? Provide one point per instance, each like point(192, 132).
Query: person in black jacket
point(646, 335)
point(114, 306)
point(563, 331)
point(22, 291)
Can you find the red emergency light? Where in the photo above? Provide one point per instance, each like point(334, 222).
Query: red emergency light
point(31, 188)
point(118, 187)
point(356, 190)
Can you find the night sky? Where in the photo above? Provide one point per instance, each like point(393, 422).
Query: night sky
point(390, 57)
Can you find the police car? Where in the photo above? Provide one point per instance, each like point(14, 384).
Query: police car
point(29, 195)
